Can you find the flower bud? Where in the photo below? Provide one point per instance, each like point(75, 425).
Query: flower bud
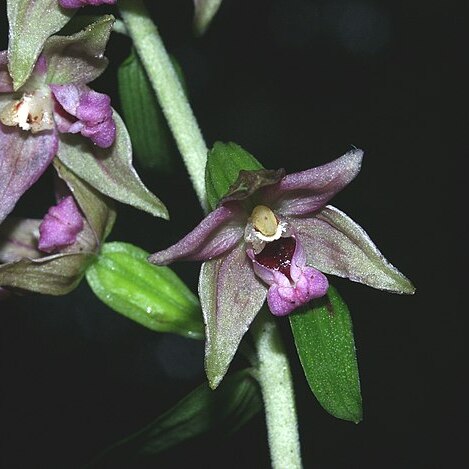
point(153, 296)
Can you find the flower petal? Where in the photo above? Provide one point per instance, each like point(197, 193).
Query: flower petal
point(231, 296)
point(60, 226)
point(308, 191)
point(336, 245)
point(18, 238)
point(286, 294)
point(24, 157)
point(93, 111)
point(218, 232)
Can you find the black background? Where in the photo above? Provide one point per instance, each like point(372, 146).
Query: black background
point(296, 83)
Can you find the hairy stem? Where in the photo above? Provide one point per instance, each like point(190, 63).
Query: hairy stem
point(277, 391)
point(168, 89)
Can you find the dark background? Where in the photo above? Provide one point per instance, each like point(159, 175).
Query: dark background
point(296, 83)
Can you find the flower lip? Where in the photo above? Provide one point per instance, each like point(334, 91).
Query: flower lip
point(277, 255)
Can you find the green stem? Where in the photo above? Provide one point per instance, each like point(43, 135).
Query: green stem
point(277, 391)
point(168, 88)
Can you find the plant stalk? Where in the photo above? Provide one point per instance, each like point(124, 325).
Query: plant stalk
point(169, 91)
point(277, 391)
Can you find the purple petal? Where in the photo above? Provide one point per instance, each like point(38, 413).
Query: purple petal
point(336, 245)
point(286, 294)
point(6, 83)
point(60, 226)
point(82, 3)
point(231, 296)
point(86, 111)
point(23, 160)
point(217, 233)
point(308, 191)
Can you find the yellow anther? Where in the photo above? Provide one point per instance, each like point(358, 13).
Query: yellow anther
point(264, 220)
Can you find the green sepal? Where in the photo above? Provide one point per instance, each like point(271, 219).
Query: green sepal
point(110, 170)
point(78, 58)
point(224, 162)
point(152, 296)
point(30, 24)
point(204, 12)
point(151, 138)
point(223, 411)
point(324, 341)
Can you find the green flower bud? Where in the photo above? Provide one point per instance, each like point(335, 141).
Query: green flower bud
point(153, 296)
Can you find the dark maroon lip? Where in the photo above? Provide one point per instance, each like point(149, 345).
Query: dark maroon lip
point(277, 255)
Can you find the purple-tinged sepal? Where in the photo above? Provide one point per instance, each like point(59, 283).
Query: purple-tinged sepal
point(25, 157)
point(336, 245)
point(219, 232)
point(303, 193)
point(231, 295)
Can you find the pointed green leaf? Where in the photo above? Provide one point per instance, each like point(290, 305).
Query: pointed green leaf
point(110, 170)
point(153, 296)
point(78, 58)
point(151, 138)
point(223, 411)
point(31, 22)
point(205, 10)
point(224, 162)
point(324, 341)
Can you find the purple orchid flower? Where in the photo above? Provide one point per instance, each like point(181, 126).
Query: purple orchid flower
point(50, 256)
point(273, 236)
point(82, 3)
point(31, 121)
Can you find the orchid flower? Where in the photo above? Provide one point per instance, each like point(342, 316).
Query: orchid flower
point(51, 255)
point(273, 237)
point(38, 120)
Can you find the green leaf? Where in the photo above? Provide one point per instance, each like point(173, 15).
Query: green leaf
point(31, 22)
point(224, 162)
point(223, 411)
point(324, 341)
point(153, 296)
point(110, 170)
point(205, 10)
point(151, 138)
point(78, 58)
